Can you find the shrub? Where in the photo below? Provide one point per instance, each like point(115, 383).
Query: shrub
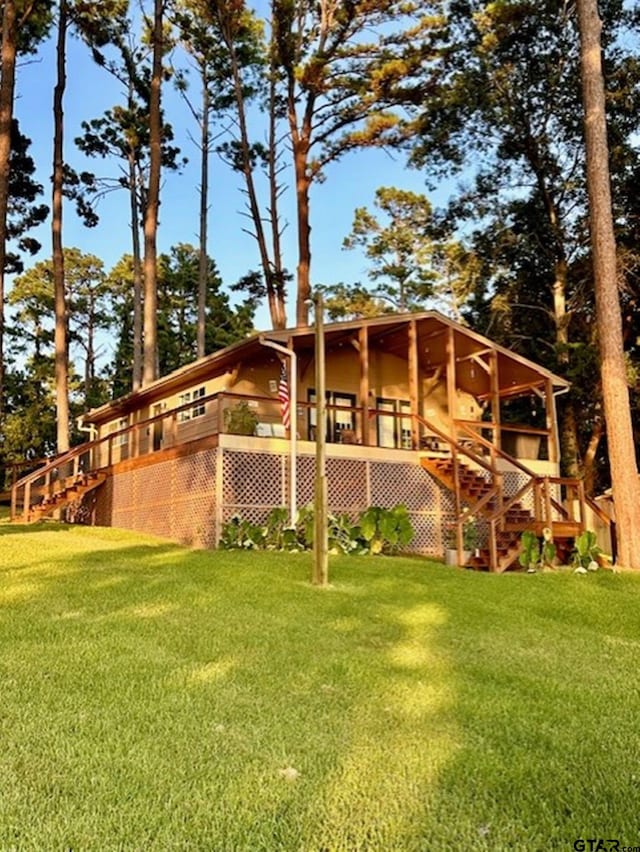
point(376, 530)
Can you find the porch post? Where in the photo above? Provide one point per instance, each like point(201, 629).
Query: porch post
point(552, 422)
point(495, 400)
point(363, 340)
point(413, 384)
point(451, 378)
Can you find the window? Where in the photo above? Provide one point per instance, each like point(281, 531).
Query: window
point(197, 410)
point(116, 426)
point(185, 414)
point(339, 421)
point(394, 431)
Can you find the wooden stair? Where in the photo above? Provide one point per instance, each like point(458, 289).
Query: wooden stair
point(66, 495)
point(473, 487)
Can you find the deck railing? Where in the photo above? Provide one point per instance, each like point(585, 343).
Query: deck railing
point(258, 416)
point(554, 500)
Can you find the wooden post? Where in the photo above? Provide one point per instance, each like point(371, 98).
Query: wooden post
point(552, 423)
point(582, 505)
point(27, 501)
point(320, 541)
point(495, 402)
point(220, 413)
point(493, 548)
point(537, 500)
point(547, 503)
point(451, 379)
point(414, 400)
point(363, 339)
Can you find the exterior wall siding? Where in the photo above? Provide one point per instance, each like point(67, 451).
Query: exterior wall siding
point(182, 500)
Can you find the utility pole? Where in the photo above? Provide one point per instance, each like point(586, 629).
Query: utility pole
point(320, 539)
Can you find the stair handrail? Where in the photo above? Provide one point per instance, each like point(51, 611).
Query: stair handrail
point(51, 465)
point(495, 491)
point(492, 447)
point(461, 448)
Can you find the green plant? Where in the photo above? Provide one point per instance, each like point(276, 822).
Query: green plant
point(536, 553)
point(386, 530)
point(240, 419)
point(470, 534)
point(377, 530)
point(586, 553)
point(344, 535)
point(241, 534)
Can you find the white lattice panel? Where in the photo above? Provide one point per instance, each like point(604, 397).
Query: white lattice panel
point(428, 534)
point(195, 474)
point(306, 474)
point(346, 484)
point(393, 483)
point(253, 479)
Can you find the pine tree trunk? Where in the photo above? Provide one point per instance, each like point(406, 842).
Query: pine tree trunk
point(300, 160)
point(276, 306)
point(61, 345)
point(7, 87)
point(136, 379)
point(279, 282)
point(150, 369)
point(203, 259)
point(622, 454)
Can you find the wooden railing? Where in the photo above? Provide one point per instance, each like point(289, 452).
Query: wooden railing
point(174, 427)
point(468, 443)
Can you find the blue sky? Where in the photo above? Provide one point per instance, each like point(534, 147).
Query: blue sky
point(90, 90)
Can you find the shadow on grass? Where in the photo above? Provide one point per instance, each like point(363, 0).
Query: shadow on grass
point(408, 707)
point(271, 714)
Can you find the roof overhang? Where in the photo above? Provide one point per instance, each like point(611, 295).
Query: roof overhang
point(473, 353)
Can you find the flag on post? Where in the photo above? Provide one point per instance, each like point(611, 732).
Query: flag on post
point(283, 396)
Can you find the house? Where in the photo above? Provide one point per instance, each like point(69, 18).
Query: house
point(420, 411)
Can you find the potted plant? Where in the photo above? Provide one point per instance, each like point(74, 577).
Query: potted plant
point(240, 419)
point(470, 540)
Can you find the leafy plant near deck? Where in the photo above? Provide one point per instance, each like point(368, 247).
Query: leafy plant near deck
point(536, 553)
point(376, 530)
point(586, 552)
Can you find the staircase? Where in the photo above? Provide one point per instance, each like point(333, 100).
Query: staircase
point(468, 470)
point(59, 483)
point(65, 496)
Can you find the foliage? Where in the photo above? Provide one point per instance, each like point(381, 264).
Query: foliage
point(536, 553)
point(412, 264)
point(177, 313)
point(586, 552)
point(470, 533)
point(375, 531)
point(24, 213)
point(386, 530)
point(240, 419)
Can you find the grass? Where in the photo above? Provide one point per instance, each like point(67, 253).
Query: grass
point(159, 698)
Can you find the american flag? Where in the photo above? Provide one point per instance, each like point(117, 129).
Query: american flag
point(283, 396)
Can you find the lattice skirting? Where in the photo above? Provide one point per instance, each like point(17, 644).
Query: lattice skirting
point(189, 498)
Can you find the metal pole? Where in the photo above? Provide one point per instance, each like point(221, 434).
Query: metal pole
point(320, 543)
point(293, 405)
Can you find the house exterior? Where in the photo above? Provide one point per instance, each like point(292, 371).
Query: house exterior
point(419, 410)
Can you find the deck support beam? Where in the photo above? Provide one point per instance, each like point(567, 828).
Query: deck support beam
point(414, 397)
point(495, 401)
point(363, 341)
point(552, 422)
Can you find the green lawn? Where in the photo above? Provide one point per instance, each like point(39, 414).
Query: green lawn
point(153, 697)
